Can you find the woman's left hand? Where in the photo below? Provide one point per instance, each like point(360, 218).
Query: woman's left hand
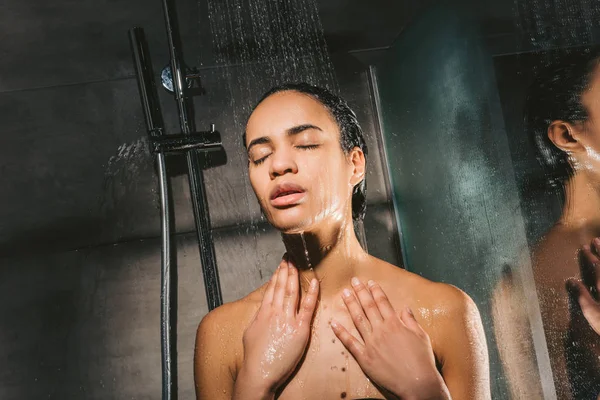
point(395, 352)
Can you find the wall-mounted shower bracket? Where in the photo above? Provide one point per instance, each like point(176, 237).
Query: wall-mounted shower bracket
point(192, 78)
point(200, 141)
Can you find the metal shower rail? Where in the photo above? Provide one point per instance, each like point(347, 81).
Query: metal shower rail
point(188, 141)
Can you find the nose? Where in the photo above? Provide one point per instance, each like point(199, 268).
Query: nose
point(282, 162)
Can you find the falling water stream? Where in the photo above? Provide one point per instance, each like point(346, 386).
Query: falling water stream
point(308, 263)
point(258, 44)
point(262, 43)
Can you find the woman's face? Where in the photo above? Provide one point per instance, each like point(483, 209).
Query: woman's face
point(297, 168)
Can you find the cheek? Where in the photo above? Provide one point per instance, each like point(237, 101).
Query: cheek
point(596, 139)
point(258, 183)
point(331, 182)
point(592, 144)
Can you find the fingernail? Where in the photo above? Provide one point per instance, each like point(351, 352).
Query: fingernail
point(355, 281)
point(597, 241)
point(586, 247)
point(313, 283)
point(334, 324)
point(347, 293)
point(371, 283)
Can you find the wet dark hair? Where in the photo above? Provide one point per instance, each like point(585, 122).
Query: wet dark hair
point(351, 134)
point(556, 95)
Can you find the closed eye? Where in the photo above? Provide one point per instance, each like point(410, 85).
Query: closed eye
point(260, 160)
point(308, 146)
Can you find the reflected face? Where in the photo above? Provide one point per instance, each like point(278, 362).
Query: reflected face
point(297, 168)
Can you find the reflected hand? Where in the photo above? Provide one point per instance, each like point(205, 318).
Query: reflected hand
point(589, 306)
point(277, 337)
point(395, 352)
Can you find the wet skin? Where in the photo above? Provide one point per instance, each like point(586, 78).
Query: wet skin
point(331, 345)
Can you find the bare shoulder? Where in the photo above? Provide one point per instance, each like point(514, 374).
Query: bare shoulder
point(423, 295)
point(231, 316)
point(444, 311)
point(223, 327)
point(554, 259)
point(453, 324)
point(219, 347)
point(559, 244)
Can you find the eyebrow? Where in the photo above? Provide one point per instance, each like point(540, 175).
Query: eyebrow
point(290, 132)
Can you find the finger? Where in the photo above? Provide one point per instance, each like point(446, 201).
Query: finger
point(290, 303)
point(269, 292)
point(309, 303)
point(589, 307)
point(356, 312)
point(596, 263)
point(385, 306)
point(280, 285)
point(366, 301)
point(354, 346)
point(596, 244)
point(410, 321)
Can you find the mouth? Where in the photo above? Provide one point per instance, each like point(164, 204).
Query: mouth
point(286, 195)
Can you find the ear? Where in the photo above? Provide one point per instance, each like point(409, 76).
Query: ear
point(357, 159)
point(565, 136)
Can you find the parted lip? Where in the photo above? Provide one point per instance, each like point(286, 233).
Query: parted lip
point(286, 188)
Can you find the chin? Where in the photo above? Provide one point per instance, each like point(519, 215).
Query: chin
point(290, 221)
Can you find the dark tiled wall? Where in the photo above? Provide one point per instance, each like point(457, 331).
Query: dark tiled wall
point(79, 278)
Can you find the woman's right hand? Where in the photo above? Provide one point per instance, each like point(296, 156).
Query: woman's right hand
point(276, 339)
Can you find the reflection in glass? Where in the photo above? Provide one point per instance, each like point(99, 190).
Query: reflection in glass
point(550, 104)
point(563, 115)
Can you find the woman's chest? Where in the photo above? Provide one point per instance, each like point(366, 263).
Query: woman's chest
point(328, 370)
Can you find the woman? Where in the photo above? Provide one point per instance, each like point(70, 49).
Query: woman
point(333, 322)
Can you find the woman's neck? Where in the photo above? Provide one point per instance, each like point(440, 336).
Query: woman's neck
point(581, 210)
point(332, 256)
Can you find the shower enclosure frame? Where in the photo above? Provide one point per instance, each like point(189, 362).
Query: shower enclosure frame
point(191, 142)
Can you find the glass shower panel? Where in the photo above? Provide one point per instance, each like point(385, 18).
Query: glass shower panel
point(454, 186)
